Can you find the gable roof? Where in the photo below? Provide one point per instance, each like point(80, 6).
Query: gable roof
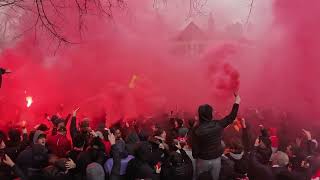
point(191, 32)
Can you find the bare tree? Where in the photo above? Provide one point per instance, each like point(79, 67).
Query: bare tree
point(46, 13)
point(195, 7)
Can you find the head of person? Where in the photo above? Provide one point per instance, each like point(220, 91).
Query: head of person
point(291, 150)
point(264, 142)
point(121, 147)
point(280, 159)
point(143, 151)
point(97, 144)
point(62, 130)
point(161, 133)
point(79, 142)
point(116, 130)
point(42, 127)
point(205, 113)
point(180, 123)
point(264, 150)
point(236, 147)
point(94, 171)
point(85, 126)
point(154, 127)
point(39, 137)
point(14, 135)
point(57, 122)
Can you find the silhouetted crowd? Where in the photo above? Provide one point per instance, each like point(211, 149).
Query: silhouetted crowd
point(179, 149)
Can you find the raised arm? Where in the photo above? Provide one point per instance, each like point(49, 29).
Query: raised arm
point(232, 115)
point(73, 124)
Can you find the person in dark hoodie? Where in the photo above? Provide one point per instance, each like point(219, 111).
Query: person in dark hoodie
point(78, 147)
point(84, 128)
point(139, 168)
point(178, 166)
point(15, 144)
point(206, 139)
point(56, 171)
point(34, 157)
point(94, 153)
point(8, 169)
point(125, 158)
point(160, 149)
point(259, 159)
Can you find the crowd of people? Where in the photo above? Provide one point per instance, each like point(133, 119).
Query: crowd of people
point(138, 150)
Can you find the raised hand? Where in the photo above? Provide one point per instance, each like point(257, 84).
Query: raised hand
point(237, 98)
point(74, 113)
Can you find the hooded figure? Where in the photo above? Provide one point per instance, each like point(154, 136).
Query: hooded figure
point(33, 159)
point(95, 171)
point(207, 137)
point(139, 168)
point(125, 158)
point(39, 138)
point(206, 140)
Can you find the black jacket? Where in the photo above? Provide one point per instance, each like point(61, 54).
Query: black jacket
point(74, 132)
point(139, 168)
point(177, 167)
point(206, 138)
point(33, 159)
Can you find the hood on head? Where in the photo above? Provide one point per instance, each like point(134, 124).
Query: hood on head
point(205, 113)
point(121, 147)
point(37, 135)
point(95, 171)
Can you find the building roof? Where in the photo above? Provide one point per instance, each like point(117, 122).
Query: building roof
point(191, 32)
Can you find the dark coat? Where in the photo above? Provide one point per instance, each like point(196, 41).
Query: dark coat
point(177, 167)
point(90, 156)
point(139, 168)
point(206, 138)
point(33, 159)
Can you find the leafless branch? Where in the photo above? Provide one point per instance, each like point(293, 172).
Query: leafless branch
point(46, 21)
point(250, 11)
point(196, 7)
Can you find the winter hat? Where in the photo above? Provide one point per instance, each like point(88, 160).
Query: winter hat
point(95, 171)
point(37, 135)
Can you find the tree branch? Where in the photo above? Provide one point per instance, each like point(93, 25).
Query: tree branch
point(250, 11)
